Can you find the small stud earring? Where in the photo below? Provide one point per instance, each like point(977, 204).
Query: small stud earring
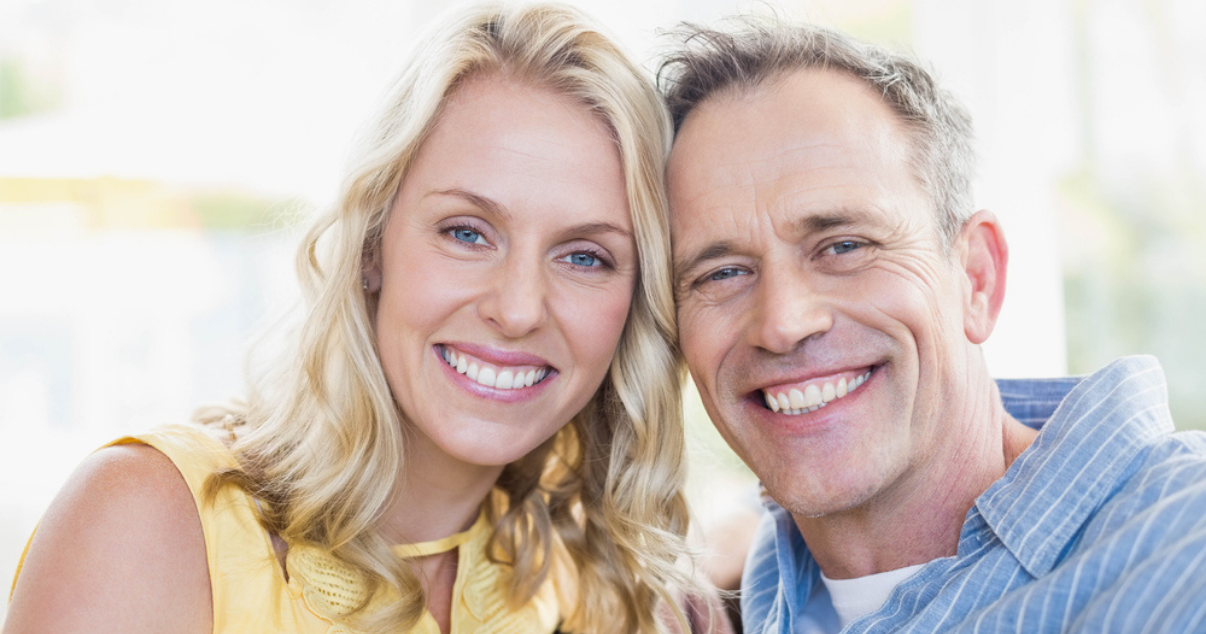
point(364, 283)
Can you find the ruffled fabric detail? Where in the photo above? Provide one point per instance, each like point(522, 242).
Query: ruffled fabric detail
point(329, 586)
point(479, 602)
point(484, 598)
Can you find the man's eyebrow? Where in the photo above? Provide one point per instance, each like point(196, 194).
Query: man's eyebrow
point(816, 223)
point(713, 251)
point(813, 223)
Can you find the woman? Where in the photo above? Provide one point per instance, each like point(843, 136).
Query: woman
point(485, 376)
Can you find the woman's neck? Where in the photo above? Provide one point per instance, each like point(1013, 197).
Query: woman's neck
point(438, 496)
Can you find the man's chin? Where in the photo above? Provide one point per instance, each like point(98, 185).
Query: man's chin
point(822, 500)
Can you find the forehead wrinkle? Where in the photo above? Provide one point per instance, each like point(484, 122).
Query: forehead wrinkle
point(826, 166)
point(832, 152)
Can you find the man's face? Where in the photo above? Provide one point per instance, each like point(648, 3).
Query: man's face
point(819, 313)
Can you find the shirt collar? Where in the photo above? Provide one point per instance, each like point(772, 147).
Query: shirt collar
point(1089, 444)
point(798, 571)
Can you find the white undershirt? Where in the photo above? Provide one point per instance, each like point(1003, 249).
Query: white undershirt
point(838, 602)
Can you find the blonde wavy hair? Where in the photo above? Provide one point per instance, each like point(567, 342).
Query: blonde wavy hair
point(604, 494)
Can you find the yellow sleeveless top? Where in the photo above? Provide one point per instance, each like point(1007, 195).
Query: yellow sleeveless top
point(249, 589)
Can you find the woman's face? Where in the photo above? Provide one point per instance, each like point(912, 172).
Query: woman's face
point(507, 270)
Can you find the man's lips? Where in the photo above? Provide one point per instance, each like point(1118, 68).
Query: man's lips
point(814, 393)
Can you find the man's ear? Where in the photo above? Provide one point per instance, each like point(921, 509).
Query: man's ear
point(984, 256)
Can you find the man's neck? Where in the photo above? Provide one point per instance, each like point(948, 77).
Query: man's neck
point(920, 517)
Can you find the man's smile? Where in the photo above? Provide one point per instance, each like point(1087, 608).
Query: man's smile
point(809, 396)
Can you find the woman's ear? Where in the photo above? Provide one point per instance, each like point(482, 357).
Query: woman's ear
point(370, 268)
point(370, 279)
point(984, 255)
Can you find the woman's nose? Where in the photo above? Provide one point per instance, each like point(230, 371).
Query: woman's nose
point(516, 302)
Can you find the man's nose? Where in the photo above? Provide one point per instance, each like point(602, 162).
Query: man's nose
point(787, 310)
point(516, 303)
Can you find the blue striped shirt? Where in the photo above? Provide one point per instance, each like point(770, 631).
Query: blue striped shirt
point(1100, 526)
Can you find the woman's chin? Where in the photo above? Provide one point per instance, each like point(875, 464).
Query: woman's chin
point(488, 451)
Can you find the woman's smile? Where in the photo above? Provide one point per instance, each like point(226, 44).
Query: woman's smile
point(500, 370)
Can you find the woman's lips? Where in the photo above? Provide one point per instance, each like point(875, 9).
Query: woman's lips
point(494, 375)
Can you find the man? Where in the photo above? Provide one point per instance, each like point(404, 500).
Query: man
point(833, 287)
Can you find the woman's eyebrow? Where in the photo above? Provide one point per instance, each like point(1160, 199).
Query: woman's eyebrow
point(477, 200)
point(494, 207)
point(595, 228)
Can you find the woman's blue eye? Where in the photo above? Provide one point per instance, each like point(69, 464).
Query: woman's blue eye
point(468, 235)
point(583, 259)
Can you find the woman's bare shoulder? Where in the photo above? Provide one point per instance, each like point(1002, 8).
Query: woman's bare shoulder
point(120, 549)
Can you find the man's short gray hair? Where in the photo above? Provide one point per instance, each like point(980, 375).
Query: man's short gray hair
point(760, 50)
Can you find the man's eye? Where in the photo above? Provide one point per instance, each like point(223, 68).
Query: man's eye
point(466, 234)
point(723, 274)
point(844, 246)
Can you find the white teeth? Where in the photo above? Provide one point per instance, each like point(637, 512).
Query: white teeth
point(796, 397)
point(813, 397)
point(498, 379)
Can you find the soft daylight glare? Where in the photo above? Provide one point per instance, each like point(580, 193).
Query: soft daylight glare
point(155, 156)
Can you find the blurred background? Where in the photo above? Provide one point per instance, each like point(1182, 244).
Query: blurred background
point(157, 157)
